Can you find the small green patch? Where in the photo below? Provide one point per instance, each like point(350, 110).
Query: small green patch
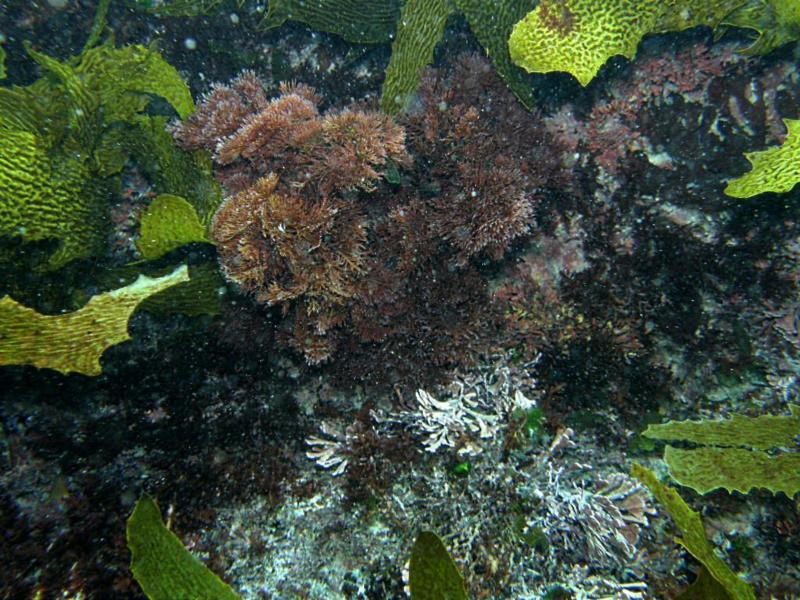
point(169, 222)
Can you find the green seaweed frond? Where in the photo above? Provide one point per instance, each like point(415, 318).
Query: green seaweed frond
point(62, 139)
point(693, 535)
point(74, 342)
point(774, 170)
point(162, 565)
point(357, 21)
point(432, 573)
point(732, 453)
point(579, 36)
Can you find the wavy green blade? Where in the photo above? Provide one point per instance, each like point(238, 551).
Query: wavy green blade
point(421, 27)
point(773, 170)
point(762, 432)
point(169, 222)
point(734, 469)
point(694, 535)
point(432, 573)
point(161, 564)
point(74, 342)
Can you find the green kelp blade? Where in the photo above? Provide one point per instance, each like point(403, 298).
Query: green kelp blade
point(762, 432)
point(775, 169)
point(694, 535)
point(201, 295)
point(2, 63)
point(174, 171)
point(776, 21)
point(734, 469)
point(168, 223)
point(579, 36)
point(124, 76)
point(421, 28)
point(705, 587)
point(432, 573)
point(357, 21)
point(161, 564)
point(74, 342)
point(492, 24)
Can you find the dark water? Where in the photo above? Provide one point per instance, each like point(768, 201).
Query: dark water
point(444, 303)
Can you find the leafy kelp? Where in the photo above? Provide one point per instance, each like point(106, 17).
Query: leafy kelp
point(693, 535)
point(358, 21)
point(161, 564)
point(55, 163)
point(579, 36)
point(773, 170)
point(731, 456)
point(421, 29)
point(432, 573)
point(170, 222)
point(74, 342)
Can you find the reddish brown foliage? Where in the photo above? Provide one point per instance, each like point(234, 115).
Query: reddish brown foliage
point(392, 284)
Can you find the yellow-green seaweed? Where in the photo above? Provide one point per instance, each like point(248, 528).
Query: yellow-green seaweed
point(169, 222)
point(421, 27)
point(776, 21)
point(762, 432)
point(74, 342)
point(731, 454)
point(704, 587)
point(2, 63)
point(579, 36)
point(693, 535)
point(55, 160)
point(357, 21)
point(734, 469)
point(432, 573)
point(201, 295)
point(492, 24)
point(172, 170)
point(774, 170)
point(162, 565)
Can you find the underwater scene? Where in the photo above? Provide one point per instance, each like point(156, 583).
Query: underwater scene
point(399, 299)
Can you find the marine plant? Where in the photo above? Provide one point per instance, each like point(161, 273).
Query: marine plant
point(74, 342)
point(693, 538)
point(320, 221)
point(432, 573)
point(775, 170)
point(163, 566)
point(731, 453)
point(579, 36)
point(415, 28)
point(61, 135)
